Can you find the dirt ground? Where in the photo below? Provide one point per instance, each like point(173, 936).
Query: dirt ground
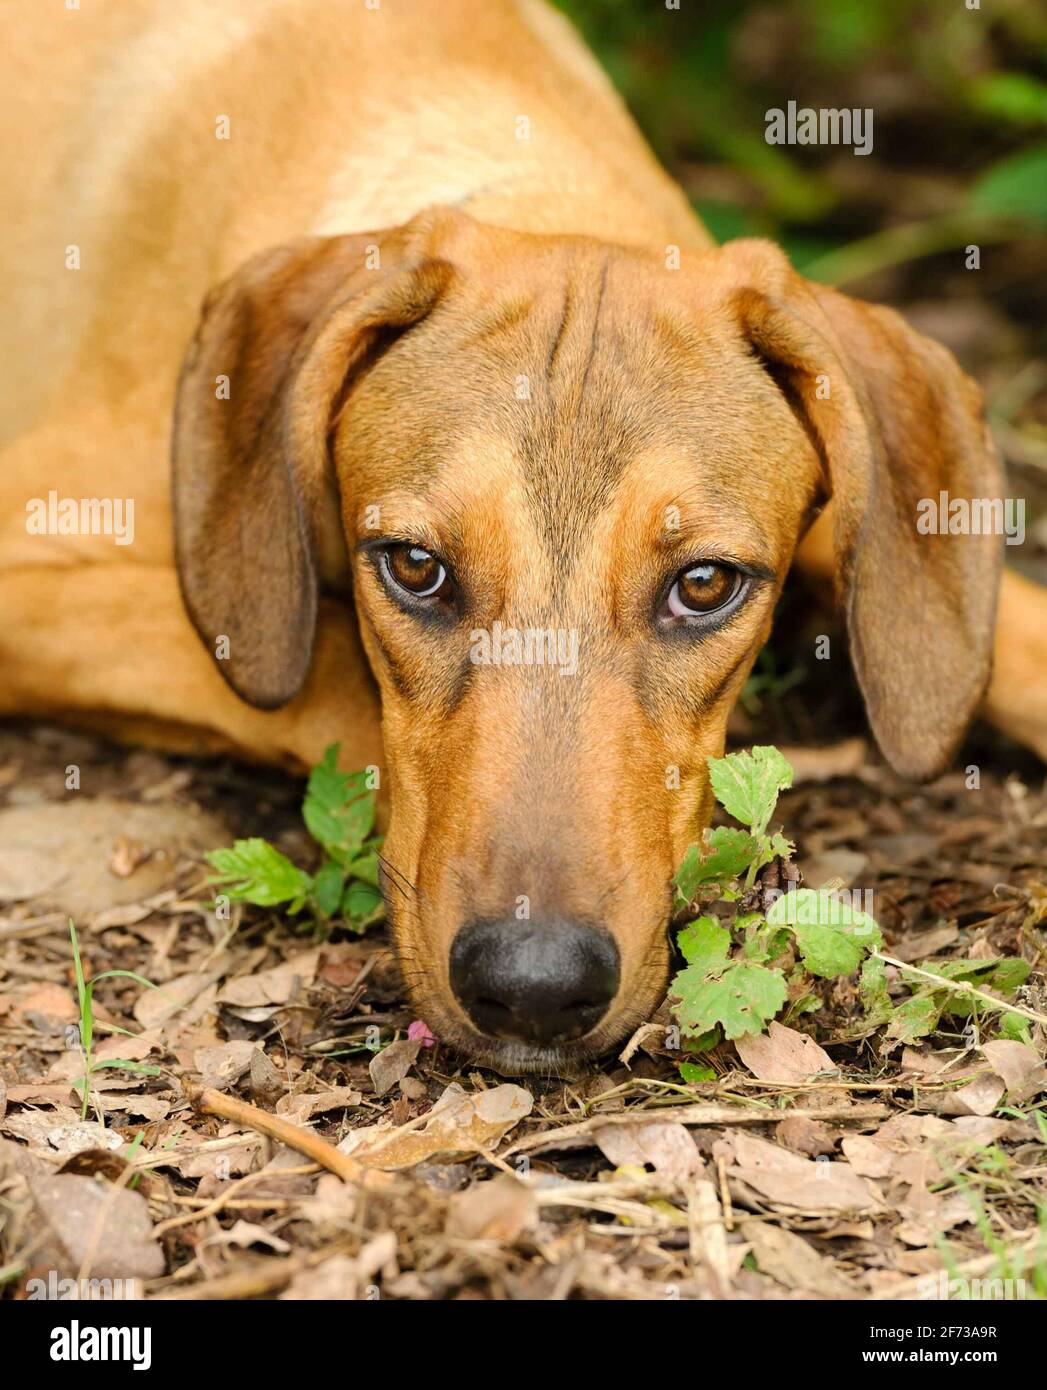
point(860, 1170)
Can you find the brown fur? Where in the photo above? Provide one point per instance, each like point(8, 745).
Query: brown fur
point(376, 390)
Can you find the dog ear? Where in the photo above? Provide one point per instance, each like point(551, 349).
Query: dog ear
point(262, 380)
point(896, 423)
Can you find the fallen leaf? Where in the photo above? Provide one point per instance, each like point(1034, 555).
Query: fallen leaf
point(59, 852)
point(502, 1210)
point(1019, 1066)
point(782, 1054)
point(668, 1148)
point(45, 1006)
point(222, 1065)
point(979, 1097)
point(82, 1217)
point(154, 1007)
point(789, 1260)
point(60, 1136)
point(302, 1107)
point(806, 1136)
point(786, 1179)
point(867, 1157)
point(458, 1123)
point(393, 1063)
point(275, 986)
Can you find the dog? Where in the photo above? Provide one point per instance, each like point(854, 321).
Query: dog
point(466, 358)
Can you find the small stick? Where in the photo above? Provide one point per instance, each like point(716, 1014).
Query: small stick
point(206, 1101)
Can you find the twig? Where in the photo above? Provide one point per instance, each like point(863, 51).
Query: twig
point(575, 1135)
point(206, 1101)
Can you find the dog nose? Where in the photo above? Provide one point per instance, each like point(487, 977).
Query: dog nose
point(533, 983)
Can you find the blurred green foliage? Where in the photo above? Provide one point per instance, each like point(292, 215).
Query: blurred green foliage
point(959, 98)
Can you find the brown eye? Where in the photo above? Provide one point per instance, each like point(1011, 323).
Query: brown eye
point(702, 589)
point(416, 571)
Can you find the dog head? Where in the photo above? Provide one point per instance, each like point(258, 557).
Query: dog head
point(570, 480)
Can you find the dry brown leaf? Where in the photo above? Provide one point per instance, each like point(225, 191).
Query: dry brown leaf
point(458, 1123)
point(668, 1147)
point(278, 985)
point(81, 1217)
point(502, 1209)
point(222, 1065)
point(393, 1063)
point(302, 1107)
point(806, 1136)
point(645, 1031)
point(791, 1261)
point(783, 1054)
point(1019, 1066)
point(47, 1006)
point(979, 1097)
point(867, 1157)
point(154, 1007)
point(786, 1179)
point(63, 1133)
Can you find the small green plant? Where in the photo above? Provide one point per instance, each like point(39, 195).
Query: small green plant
point(338, 811)
point(85, 1002)
point(753, 948)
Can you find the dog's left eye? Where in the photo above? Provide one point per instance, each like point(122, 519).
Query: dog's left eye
point(416, 572)
point(701, 590)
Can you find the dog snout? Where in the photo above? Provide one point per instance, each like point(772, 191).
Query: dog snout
point(534, 983)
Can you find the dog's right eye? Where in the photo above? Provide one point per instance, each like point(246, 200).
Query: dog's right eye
point(416, 572)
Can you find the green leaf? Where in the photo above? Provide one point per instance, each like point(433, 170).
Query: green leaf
point(704, 943)
point(1014, 1028)
point(833, 938)
point(83, 994)
point(1013, 96)
point(366, 868)
point(119, 1064)
point(728, 853)
point(1015, 186)
point(691, 1071)
point(872, 987)
point(338, 808)
point(1003, 973)
point(742, 1000)
point(915, 1018)
point(362, 904)
point(253, 871)
point(121, 974)
point(747, 784)
point(328, 884)
point(763, 941)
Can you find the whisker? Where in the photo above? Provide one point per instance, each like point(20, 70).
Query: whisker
point(397, 877)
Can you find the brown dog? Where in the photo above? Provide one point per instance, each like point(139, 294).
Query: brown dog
point(556, 449)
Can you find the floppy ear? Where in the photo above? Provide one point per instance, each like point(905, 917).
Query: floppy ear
point(260, 385)
point(895, 422)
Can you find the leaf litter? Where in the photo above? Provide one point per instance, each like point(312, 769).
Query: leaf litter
point(810, 1159)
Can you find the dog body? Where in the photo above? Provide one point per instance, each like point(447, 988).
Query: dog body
point(545, 416)
point(341, 118)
